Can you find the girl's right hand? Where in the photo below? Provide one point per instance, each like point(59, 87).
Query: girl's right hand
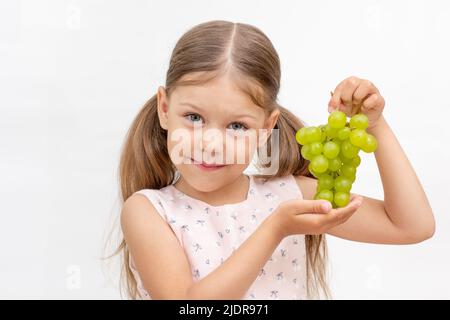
point(311, 216)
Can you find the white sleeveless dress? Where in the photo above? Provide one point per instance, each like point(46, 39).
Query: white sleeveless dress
point(210, 234)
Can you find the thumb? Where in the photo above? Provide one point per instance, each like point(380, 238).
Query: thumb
point(310, 206)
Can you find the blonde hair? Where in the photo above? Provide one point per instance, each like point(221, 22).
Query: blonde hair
point(208, 49)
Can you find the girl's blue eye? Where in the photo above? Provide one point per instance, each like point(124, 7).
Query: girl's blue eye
point(193, 117)
point(238, 126)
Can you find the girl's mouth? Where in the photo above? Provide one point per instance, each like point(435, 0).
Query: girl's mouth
point(205, 166)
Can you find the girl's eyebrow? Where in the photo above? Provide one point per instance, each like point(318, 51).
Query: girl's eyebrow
point(200, 109)
point(191, 105)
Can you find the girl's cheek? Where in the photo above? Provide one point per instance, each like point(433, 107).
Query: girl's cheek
point(180, 145)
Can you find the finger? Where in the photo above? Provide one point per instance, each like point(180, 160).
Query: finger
point(308, 206)
point(355, 199)
point(371, 102)
point(338, 216)
point(336, 102)
point(347, 93)
point(353, 196)
point(363, 91)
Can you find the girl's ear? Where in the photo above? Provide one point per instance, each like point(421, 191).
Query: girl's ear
point(163, 107)
point(271, 121)
point(269, 124)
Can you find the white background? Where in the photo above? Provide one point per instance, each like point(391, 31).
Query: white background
point(73, 75)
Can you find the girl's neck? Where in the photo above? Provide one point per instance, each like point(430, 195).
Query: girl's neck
point(233, 192)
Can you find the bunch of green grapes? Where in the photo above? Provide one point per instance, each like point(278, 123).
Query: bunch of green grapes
point(332, 150)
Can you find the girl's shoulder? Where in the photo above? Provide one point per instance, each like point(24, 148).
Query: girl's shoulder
point(137, 210)
point(156, 198)
point(157, 194)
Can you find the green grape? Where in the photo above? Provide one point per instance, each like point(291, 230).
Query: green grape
point(356, 161)
point(314, 134)
point(319, 164)
point(371, 144)
point(358, 137)
point(344, 133)
point(341, 199)
point(324, 195)
point(337, 141)
point(337, 119)
point(331, 149)
point(348, 171)
point(347, 160)
point(331, 132)
point(342, 184)
point(334, 164)
point(325, 181)
point(313, 172)
point(306, 152)
point(302, 136)
point(353, 178)
point(359, 121)
point(316, 148)
point(324, 137)
point(348, 150)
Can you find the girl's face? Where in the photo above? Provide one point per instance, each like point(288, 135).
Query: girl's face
point(212, 123)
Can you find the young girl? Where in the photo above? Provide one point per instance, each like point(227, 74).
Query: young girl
point(205, 230)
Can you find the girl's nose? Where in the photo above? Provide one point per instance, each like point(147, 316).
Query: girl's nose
point(213, 146)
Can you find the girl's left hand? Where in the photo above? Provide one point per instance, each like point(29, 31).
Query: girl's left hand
point(354, 95)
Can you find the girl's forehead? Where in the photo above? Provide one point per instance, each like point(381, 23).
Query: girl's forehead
point(211, 92)
point(214, 92)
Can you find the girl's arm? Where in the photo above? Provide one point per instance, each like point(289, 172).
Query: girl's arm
point(405, 201)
